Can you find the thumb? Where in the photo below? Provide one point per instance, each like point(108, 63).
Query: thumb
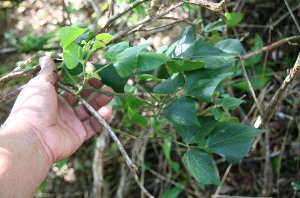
point(48, 71)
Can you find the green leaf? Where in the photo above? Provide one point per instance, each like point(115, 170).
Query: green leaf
point(258, 44)
point(213, 57)
point(167, 149)
point(139, 119)
point(234, 18)
point(188, 132)
point(173, 192)
point(148, 61)
point(134, 103)
point(230, 46)
point(68, 78)
point(203, 82)
point(70, 55)
point(231, 103)
point(193, 134)
point(110, 77)
point(184, 48)
point(201, 166)
point(257, 83)
point(217, 112)
point(171, 85)
point(104, 37)
point(114, 50)
point(69, 34)
point(231, 141)
point(181, 65)
point(99, 45)
point(85, 37)
point(181, 111)
point(126, 61)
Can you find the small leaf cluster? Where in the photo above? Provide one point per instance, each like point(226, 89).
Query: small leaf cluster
point(176, 80)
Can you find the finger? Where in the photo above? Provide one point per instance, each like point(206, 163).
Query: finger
point(92, 125)
point(96, 102)
point(48, 71)
point(85, 93)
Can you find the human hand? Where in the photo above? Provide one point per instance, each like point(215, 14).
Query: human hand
point(51, 119)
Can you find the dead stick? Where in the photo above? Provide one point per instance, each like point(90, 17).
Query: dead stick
point(279, 95)
point(101, 120)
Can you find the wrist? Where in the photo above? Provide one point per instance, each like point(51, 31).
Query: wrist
point(24, 162)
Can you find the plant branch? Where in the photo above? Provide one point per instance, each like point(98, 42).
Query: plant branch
point(250, 87)
point(280, 94)
point(101, 120)
point(270, 47)
point(139, 25)
point(217, 8)
point(119, 14)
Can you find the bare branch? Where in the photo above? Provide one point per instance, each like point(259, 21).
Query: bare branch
point(279, 95)
point(217, 8)
point(269, 47)
point(119, 14)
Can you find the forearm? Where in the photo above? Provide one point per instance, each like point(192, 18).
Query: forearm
point(23, 164)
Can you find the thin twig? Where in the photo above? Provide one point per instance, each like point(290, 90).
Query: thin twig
point(18, 73)
point(119, 14)
point(269, 47)
point(139, 25)
point(21, 74)
point(101, 120)
point(292, 15)
point(223, 180)
point(250, 87)
point(11, 94)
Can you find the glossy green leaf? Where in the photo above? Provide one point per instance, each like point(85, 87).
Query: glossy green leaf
point(171, 85)
point(234, 18)
point(114, 50)
point(104, 37)
point(213, 57)
point(148, 61)
point(70, 55)
point(126, 61)
point(203, 82)
point(181, 111)
point(181, 65)
point(184, 48)
point(230, 46)
point(231, 141)
point(68, 34)
point(201, 166)
point(110, 77)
